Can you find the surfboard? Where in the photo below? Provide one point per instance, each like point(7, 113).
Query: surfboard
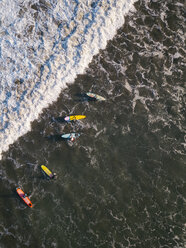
point(97, 97)
point(70, 135)
point(47, 171)
point(74, 117)
point(24, 197)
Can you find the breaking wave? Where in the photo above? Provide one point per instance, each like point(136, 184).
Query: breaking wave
point(44, 44)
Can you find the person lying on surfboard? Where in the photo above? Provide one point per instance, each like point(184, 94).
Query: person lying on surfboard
point(54, 176)
point(24, 197)
point(74, 117)
point(48, 173)
point(70, 136)
point(95, 96)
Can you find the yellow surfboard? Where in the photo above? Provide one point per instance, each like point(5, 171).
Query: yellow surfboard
point(74, 117)
point(46, 170)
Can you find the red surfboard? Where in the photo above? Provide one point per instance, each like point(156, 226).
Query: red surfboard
point(24, 197)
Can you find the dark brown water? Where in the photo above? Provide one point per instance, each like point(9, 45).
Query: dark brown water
point(122, 183)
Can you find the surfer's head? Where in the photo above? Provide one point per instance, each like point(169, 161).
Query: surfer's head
point(54, 176)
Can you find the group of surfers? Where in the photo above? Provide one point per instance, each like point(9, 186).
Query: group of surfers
point(69, 136)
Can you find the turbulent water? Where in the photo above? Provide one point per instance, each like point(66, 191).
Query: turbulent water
point(44, 45)
point(123, 182)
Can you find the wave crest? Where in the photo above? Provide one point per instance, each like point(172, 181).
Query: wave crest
point(43, 46)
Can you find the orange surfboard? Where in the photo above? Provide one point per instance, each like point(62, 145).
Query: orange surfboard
point(24, 197)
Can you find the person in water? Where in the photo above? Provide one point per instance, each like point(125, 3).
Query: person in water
point(54, 176)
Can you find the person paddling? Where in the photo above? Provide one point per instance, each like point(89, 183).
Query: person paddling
point(54, 176)
point(48, 172)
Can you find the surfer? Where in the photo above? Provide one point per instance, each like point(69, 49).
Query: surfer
point(70, 136)
point(48, 173)
point(54, 176)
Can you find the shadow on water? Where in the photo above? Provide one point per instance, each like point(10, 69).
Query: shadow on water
point(54, 138)
point(12, 195)
point(37, 177)
point(59, 119)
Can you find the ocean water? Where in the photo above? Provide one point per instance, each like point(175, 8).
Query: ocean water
point(44, 45)
point(123, 182)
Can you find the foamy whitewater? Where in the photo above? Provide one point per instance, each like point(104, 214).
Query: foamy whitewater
point(44, 44)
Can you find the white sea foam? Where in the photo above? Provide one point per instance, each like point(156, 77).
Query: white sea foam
point(44, 44)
